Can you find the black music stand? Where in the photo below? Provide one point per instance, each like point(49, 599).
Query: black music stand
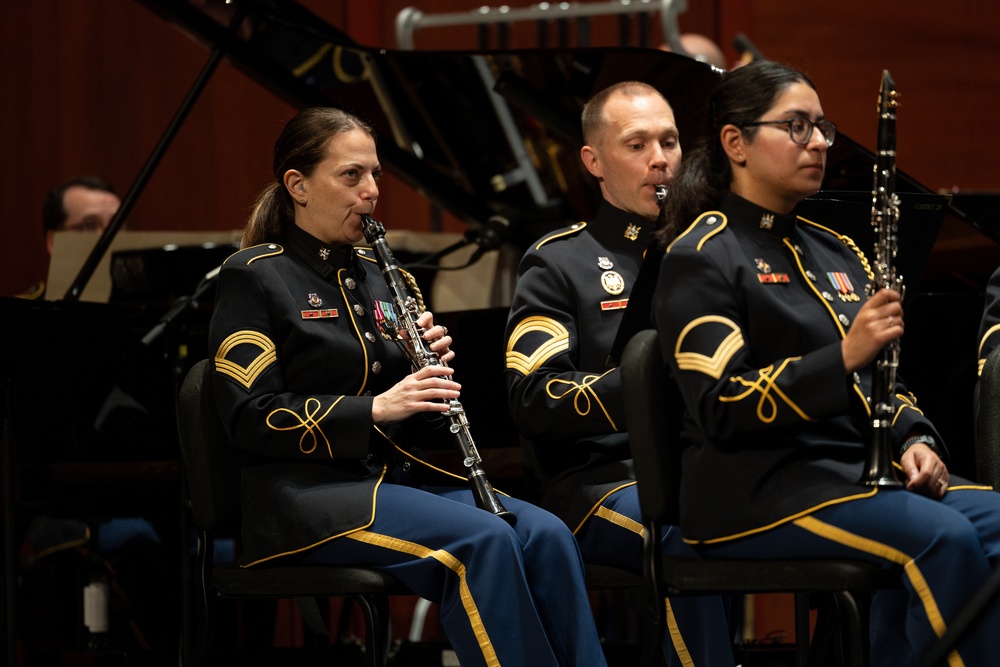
point(849, 213)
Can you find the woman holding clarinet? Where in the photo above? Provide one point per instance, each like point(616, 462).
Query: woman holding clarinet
point(323, 403)
point(768, 331)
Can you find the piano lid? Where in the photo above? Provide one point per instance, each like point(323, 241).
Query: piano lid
point(493, 131)
point(477, 132)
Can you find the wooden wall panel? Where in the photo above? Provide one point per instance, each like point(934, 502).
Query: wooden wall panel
point(944, 62)
point(90, 87)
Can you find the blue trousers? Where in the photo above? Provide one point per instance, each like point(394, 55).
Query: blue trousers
point(699, 632)
point(944, 550)
point(511, 595)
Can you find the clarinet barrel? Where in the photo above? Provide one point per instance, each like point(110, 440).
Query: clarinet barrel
point(407, 310)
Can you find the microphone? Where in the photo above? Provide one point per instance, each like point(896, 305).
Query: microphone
point(490, 236)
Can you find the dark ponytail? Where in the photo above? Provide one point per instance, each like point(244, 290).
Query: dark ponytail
point(302, 145)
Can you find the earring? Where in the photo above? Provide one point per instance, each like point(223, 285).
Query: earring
point(302, 201)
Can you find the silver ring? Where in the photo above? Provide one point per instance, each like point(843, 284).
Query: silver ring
point(941, 482)
point(444, 329)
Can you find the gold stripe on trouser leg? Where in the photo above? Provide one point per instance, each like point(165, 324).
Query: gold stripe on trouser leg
point(675, 632)
point(676, 639)
point(452, 564)
point(892, 555)
point(621, 520)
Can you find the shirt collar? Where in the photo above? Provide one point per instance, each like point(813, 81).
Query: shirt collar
point(744, 212)
point(619, 231)
point(322, 257)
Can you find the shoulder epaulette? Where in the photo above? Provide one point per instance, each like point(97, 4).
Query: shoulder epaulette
point(707, 225)
point(561, 233)
point(253, 253)
point(365, 253)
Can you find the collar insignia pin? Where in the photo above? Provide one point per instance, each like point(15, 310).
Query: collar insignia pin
point(324, 253)
point(767, 221)
point(632, 232)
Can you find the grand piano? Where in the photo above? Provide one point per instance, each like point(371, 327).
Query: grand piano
point(495, 134)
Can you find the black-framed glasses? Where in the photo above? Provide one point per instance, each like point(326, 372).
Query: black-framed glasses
point(801, 129)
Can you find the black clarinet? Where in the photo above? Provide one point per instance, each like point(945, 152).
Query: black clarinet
point(879, 470)
point(420, 354)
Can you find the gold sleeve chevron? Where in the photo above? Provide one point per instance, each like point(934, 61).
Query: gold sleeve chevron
point(245, 375)
point(557, 341)
point(715, 364)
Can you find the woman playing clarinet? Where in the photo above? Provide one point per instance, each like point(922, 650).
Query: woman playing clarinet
point(324, 408)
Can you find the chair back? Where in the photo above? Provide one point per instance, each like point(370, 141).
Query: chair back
point(653, 413)
point(988, 422)
point(210, 462)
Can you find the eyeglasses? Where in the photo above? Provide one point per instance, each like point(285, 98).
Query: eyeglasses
point(801, 129)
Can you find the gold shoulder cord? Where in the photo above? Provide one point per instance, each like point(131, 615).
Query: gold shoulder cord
point(417, 294)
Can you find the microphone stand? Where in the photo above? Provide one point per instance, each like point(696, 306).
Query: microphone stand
point(430, 261)
point(491, 236)
point(182, 307)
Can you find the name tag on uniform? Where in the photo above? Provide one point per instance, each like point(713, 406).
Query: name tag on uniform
point(317, 314)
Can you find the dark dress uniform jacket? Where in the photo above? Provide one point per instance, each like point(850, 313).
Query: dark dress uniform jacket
point(989, 327)
point(298, 356)
point(572, 288)
point(752, 308)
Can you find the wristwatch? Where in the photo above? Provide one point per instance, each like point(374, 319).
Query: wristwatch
point(918, 440)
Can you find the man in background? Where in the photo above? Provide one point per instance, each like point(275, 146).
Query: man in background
point(81, 204)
